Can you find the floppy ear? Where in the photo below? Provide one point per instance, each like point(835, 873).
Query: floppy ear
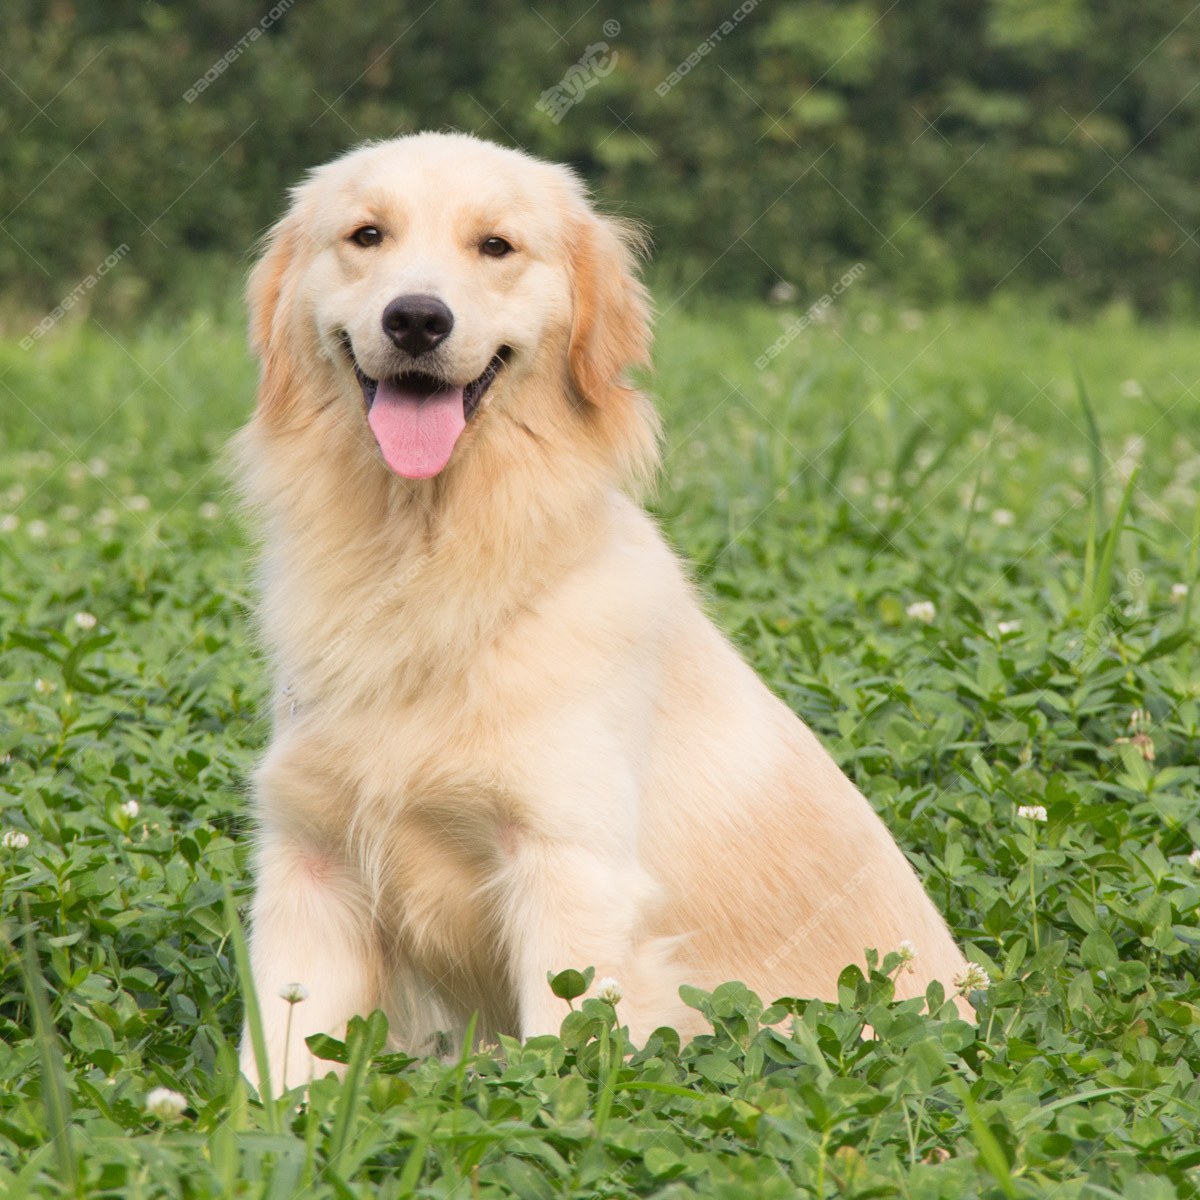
point(610, 324)
point(268, 293)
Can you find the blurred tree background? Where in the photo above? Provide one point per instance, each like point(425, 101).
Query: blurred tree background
point(956, 146)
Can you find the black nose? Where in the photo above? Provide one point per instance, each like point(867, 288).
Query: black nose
point(417, 323)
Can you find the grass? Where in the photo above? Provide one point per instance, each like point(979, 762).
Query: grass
point(956, 542)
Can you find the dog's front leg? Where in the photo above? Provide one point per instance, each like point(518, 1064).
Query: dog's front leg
point(571, 905)
point(309, 927)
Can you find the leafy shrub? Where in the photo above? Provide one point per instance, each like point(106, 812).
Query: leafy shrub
point(955, 146)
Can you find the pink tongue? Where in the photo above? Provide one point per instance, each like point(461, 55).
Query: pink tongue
point(416, 430)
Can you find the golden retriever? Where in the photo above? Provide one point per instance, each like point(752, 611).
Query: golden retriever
point(507, 740)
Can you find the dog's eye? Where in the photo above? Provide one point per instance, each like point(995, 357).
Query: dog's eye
point(368, 235)
point(495, 247)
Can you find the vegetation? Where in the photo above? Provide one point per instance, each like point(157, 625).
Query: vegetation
point(957, 146)
point(962, 544)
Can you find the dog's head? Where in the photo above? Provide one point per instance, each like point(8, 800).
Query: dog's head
point(417, 286)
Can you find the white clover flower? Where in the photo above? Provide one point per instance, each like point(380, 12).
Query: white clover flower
point(1032, 812)
point(85, 620)
point(1179, 593)
point(97, 466)
point(76, 473)
point(973, 979)
point(37, 530)
point(1008, 627)
point(1139, 725)
point(1131, 389)
point(14, 839)
point(911, 319)
point(1139, 719)
point(907, 951)
point(9, 523)
point(15, 494)
point(922, 610)
point(44, 687)
point(104, 517)
point(1004, 517)
point(293, 993)
point(209, 511)
point(138, 503)
point(1193, 859)
point(69, 512)
point(130, 808)
point(165, 1104)
point(609, 990)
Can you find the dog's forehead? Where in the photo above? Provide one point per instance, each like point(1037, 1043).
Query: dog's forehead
point(454, 176)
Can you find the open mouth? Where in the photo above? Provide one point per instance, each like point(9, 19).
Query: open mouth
point(417, 417)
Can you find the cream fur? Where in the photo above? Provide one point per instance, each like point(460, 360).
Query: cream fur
point(507, 739)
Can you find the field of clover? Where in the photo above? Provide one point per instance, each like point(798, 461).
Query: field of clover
point(962, 544)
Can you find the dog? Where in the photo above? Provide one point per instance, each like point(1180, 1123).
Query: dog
point(507, 740)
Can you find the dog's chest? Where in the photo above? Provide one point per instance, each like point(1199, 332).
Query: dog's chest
point(422, 800)
point(435, 826)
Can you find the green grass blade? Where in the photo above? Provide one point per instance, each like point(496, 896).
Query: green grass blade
point(1036, 1114)
point(1098, 599)
point(362, 1045)
point(56, 1095)
point(607, 1081)
point(1096, 455)
point(991, 1153)
point(1095, 442)
point(839, 455)
point(1193, 570)
point(907, 450)
point(258, 1040)
point(413, 1166)
point(961, 556)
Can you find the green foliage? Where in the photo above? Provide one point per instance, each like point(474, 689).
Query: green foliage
point(883, 459)
point(570, 984)
point(956, 146)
